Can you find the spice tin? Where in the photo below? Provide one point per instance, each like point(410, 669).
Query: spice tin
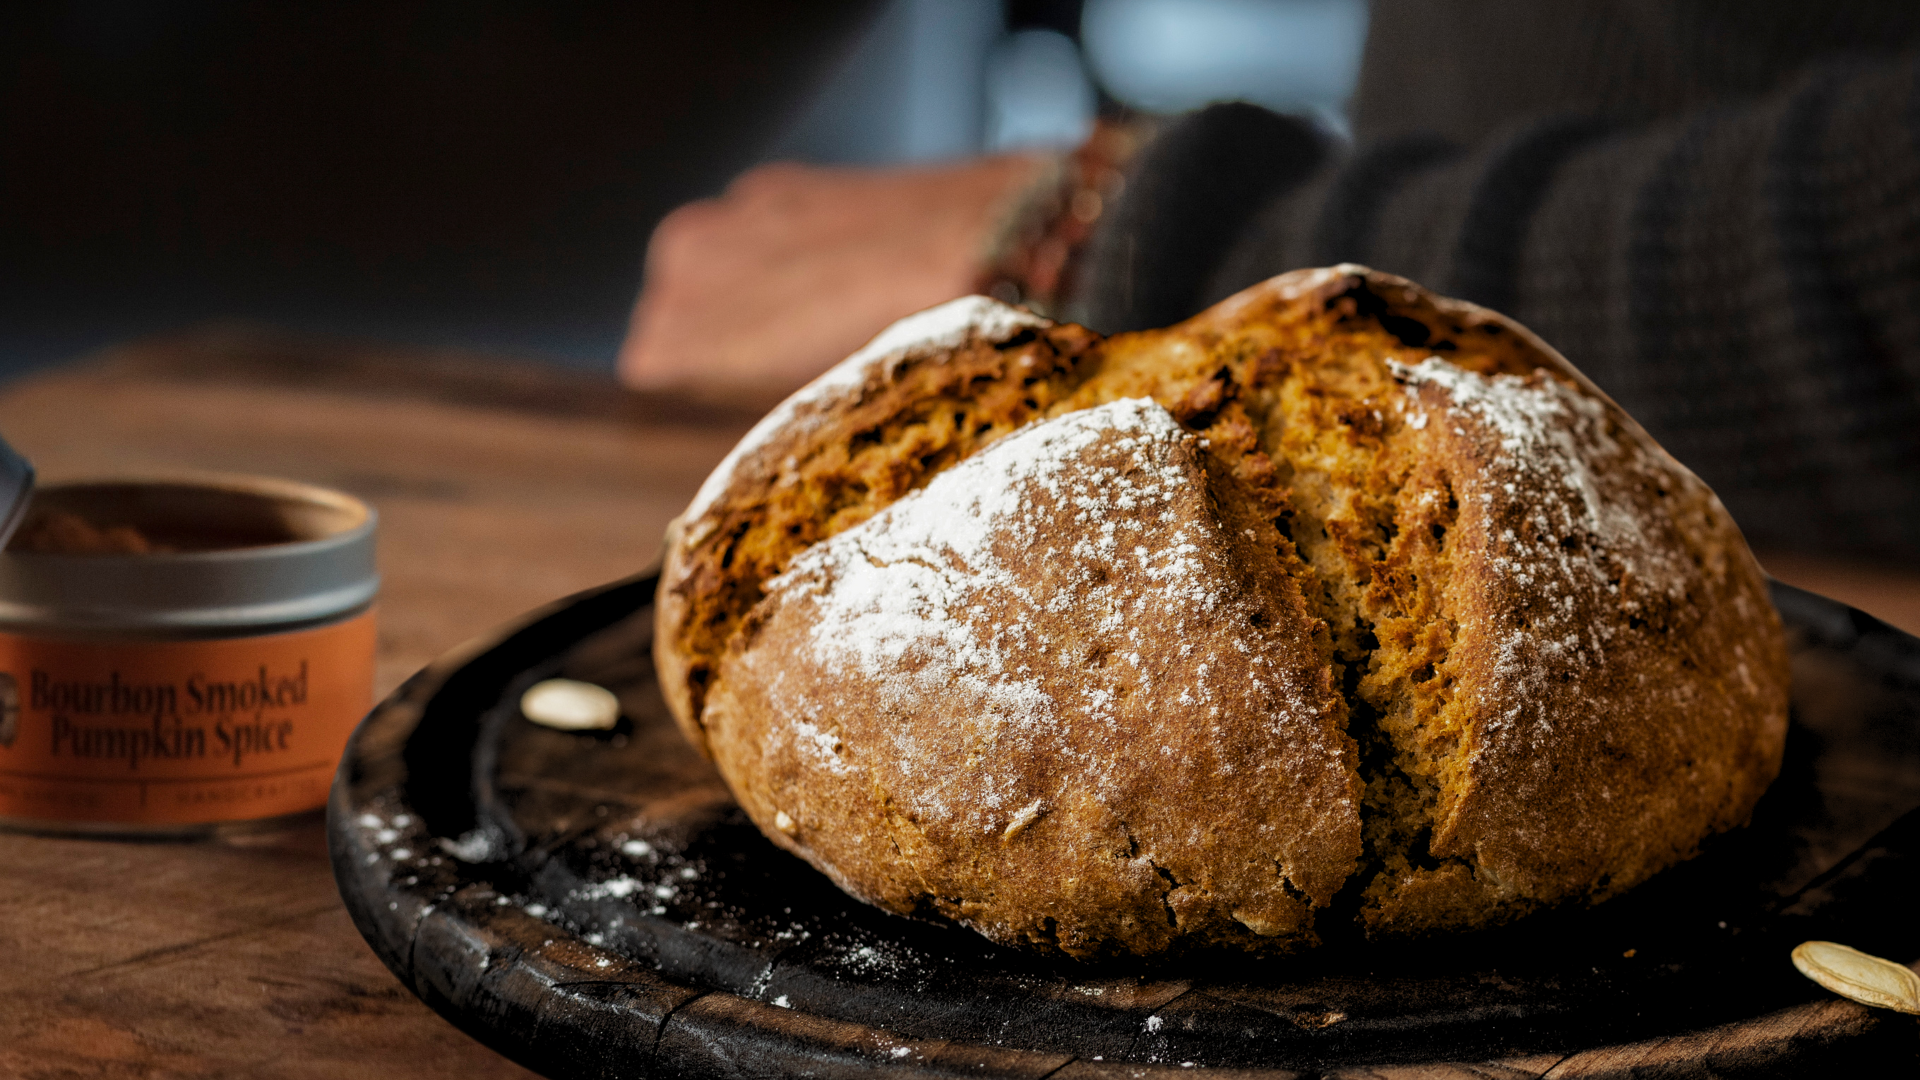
point(208, 680)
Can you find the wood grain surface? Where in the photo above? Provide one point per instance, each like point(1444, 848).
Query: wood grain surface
point(500, 489)
point(1889, 593)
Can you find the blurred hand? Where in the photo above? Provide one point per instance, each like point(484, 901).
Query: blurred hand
point(795, 267)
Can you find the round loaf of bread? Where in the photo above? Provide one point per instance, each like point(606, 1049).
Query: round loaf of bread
point(1338, 604)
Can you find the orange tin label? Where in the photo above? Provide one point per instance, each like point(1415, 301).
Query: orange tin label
point(179, 732)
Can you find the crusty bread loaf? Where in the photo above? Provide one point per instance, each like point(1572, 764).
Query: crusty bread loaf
point(1337, 601)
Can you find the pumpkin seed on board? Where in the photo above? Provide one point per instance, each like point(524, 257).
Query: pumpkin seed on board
point(570, 705)
point(1859, 977)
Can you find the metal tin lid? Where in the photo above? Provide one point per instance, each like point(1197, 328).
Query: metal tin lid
point(274, 554)
point(16, 489)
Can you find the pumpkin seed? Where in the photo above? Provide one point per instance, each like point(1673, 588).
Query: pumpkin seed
point(1859, 977)
point(570, 705)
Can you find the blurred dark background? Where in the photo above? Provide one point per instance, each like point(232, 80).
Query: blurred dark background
point(484, 175)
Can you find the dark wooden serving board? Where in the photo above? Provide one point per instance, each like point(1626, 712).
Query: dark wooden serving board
point(595, 905)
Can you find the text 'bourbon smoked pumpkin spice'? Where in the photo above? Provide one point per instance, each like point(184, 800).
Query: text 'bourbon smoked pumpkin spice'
point(181, 654)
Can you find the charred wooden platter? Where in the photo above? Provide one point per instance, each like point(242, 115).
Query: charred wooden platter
point(595, 905)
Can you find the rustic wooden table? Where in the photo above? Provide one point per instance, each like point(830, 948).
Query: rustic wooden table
point(500, 488)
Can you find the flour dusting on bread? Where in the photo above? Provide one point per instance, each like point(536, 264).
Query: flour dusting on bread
point(900, 582)
point(921, 334)
point(1092, 517)
point(1572, 531)
point(1553, 441)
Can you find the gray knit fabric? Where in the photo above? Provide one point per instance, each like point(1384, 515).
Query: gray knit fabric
point(1713, 208)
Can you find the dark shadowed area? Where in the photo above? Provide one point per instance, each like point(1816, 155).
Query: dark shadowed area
point(479, 172)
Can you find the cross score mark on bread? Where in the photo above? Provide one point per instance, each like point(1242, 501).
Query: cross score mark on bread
point(1337, 603)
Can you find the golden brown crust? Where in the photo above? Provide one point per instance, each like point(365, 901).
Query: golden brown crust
point(1518, 611)
point(960, 715)
point(926, 394)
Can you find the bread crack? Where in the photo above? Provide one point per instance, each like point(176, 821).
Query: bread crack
point(1286, 885)
point(1166, 894)
point(1370, 516)
point(1133, 854)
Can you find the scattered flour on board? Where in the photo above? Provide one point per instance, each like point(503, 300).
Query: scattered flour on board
point(882, 959)
point(618, 888)
point(943, 327)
